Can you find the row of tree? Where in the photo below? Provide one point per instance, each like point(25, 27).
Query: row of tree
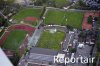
point(52, 3)
point(3, 22)
point(4, 3)
point(45, 2)
point(91, 18)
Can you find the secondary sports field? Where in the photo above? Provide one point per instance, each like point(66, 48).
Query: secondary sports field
point(27, 12)
point(64, 18)
point(61, 3)
point(28, 15)
point(14, 40)
point(51, 40)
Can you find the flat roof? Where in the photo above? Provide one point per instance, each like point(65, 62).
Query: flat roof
point(43, 51)
point(4, 61)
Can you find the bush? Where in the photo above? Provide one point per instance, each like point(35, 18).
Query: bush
point(96, 18)
point(96, 58)
point(98, 46)
point(98, 21)
point(73, 50)
point(81, 3)
point(69, 27)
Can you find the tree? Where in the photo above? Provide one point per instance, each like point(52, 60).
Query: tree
point(69, 27)
point(90, 19)
point(96, 18)
point(15, 59)
point(8, 1)
point(81, 3)
point(82, 34)
point(38, 2)
point(3, 22)
point(2, 4)
point(73, 50)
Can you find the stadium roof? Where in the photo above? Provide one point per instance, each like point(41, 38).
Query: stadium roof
point(4, 61)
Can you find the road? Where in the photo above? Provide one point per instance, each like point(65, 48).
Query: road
point(35, 37)
point(68, 40)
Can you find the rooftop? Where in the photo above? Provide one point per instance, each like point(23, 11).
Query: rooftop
point(43, 51)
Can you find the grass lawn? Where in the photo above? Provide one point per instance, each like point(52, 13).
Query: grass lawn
point(64, 18)
point(27, 12)
point(14, 40)
point(10, 1)
point(51, 40)
point(53, 3)
point(61, 3)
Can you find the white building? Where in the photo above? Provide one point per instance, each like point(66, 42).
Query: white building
point(4, 61)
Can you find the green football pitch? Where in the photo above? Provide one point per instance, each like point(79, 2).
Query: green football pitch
point(73, 19)
point(51, 40)
point(14, 40)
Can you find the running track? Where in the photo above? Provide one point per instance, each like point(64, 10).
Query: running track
point(24, 27)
